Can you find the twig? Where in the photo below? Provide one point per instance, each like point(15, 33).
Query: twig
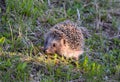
point(49, 4)
point(98, 18)
point(64, 10)
point(78, 14)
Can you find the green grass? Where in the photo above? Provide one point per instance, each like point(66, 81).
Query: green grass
point(24, 23)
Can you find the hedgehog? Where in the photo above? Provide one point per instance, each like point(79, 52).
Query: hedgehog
point(64, 39)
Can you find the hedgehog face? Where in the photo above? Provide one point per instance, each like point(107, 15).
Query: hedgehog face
point(53, 45)
point(53, 42)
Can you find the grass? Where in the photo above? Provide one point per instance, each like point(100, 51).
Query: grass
point(21, 35)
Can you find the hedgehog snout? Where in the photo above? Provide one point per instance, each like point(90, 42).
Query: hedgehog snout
point(45, 50)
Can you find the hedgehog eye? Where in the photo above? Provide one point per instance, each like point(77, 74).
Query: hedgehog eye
point(54, 45)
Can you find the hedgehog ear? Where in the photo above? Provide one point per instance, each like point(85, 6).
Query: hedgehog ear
point(64, 42)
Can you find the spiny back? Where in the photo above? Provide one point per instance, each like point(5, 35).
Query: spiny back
point(73, 35)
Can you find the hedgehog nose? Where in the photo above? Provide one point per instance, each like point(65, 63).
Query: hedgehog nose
point(45, 50)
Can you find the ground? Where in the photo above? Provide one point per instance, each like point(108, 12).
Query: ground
point(24, 22)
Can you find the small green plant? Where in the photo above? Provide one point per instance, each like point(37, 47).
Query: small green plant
point(12, 68)
point(2, 40)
